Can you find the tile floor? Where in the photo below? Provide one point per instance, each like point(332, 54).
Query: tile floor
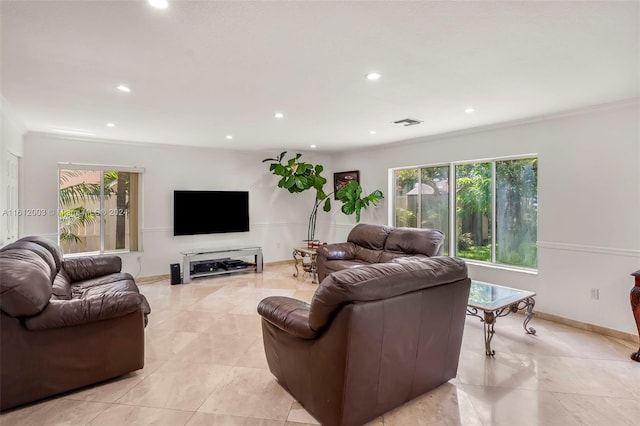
point(205, 366)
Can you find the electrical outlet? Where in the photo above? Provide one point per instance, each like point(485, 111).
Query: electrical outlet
point(277, 245)
point(595, 294)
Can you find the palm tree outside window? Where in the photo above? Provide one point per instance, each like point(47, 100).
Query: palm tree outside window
point(98, 209)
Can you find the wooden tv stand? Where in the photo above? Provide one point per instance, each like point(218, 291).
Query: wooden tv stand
point(190, 257)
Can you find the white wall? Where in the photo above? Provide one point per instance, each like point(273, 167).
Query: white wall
point(589, 200)
point(278, 220)
point(11, 134)
point(589, 204)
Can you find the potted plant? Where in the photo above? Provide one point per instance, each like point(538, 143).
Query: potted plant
point(297, 176)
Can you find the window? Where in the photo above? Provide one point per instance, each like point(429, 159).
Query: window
point(99, 209)
point(495, 204)
point(422, 197)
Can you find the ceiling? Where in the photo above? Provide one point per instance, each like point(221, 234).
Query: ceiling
point(201, 70)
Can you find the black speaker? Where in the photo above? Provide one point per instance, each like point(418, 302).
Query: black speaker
point(175, 273)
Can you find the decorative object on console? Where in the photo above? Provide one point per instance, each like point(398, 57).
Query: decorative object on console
point(297, 176)
point(341, 179)
point(635, 306)
point(64, 323)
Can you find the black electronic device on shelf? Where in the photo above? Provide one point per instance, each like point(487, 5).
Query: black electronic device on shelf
point(233, 264)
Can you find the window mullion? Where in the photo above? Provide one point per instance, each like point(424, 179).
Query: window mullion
point(419, 199)
point(102, 209)
point(494, 208)
point(452, 211)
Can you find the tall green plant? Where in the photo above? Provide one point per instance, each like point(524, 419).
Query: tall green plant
point(354, 202)
point(297, 176)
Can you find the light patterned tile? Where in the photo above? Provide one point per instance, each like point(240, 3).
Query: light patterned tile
point(209, 419)
point(178, 385)
point(111, 390)
point(210, 348)
point(299, 415)
point(446, 405)
point(250, 392)
point(254, 357)
point(131, 415)
point(165, 344)
point(54, 412)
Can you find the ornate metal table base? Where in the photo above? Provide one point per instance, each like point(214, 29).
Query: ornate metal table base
point(299, 254)
point(490, 316)
point(635, 307)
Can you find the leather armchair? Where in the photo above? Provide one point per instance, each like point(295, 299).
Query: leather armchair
point(64, 323)
point(372, 338)
point(367, 244)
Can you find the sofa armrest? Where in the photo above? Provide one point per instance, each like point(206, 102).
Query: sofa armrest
point(290, 315)
point(87, 267)
point(337, 251)
point(67, 313)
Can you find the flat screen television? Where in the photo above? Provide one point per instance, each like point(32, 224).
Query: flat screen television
point(210, 212)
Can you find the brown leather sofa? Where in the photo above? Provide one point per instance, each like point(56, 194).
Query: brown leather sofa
point(368, 244)
point(372, 338)
point(64, 323)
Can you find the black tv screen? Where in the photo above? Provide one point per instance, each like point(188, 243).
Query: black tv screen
point(210, 212)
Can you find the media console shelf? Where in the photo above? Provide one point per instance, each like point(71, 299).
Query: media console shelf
point(190, 258)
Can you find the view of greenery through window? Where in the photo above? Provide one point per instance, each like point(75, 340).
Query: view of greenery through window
point(422, 197)
point(98, 210)
point(517, 212)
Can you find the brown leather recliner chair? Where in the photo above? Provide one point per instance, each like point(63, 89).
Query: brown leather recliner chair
point(369, 244)
point(372, 338)
point(64, 324)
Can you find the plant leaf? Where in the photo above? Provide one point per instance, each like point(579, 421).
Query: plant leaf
point(327, 205)
point(289, 182)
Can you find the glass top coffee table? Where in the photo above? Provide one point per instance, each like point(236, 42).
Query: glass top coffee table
point(498, 301)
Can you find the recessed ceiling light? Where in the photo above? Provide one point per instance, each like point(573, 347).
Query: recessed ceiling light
point(229, 137)
point(278, 115)
point(372, 132)
point(313, 146)
point(111, 125)
point(159, 4)
point(123, 88)
point(373, 76)
point(469, 110)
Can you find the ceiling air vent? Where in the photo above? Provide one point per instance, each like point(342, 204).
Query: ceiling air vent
point(407, 122)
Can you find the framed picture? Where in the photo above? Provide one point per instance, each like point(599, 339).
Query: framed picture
point(342, 178)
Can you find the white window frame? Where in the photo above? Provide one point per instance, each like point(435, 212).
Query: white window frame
point(102, 168)
point(452, 204)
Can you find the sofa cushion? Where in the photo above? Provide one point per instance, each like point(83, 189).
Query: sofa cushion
point(87, 267)
point(369, 236)
point(414, 241)
point(392, 256)
point(61, 286)
point(338, 265)
point(380, 281)
point(119, 282)
point(50, 246)
point(367, 255)
point(41, 251)
point(25, 281)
